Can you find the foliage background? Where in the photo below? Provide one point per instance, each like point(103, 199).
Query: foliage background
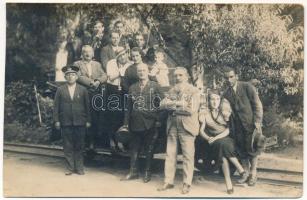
point(264, 41)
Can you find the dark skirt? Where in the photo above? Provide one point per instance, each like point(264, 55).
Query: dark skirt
point(224, 147)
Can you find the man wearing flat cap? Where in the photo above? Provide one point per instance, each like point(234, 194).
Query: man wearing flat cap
point(72, 116)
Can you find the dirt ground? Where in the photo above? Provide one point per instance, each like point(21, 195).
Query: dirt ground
point(36, 176)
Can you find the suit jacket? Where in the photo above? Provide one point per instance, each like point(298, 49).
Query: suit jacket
point(189, 98)
point(143, 106)
point(70, 112)
point(107, 54)
point(97, 73)
point(246, 104)
point(130, 77)
point(98, 44)
point(74, 49)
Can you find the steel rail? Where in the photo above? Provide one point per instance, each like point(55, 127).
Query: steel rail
point(265, 175)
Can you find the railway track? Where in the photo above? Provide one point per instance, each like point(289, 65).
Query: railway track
point(275, 172)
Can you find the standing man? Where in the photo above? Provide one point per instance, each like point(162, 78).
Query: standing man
point(116, 69)
point(142, 119)
point(110, 51)
point(247, 115)
point(140, 43)
point(131, 76)
point(99, 39)
point(73, 46)
point(124, 40)
point(183, 103)
point(72, 115)
point(92, 77)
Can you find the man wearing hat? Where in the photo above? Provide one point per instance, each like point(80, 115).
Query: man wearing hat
point(247, 118)
point(72, 116)
point(115, 94)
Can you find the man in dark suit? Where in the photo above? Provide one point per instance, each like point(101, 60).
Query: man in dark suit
point(72, 115)
point(124, 39)
point(139, 41)
point(131, 76)
point(73, 46)
point(110, 51)
point(142, 119)
point(92, 76)
point(99, 39)
point(247, 115)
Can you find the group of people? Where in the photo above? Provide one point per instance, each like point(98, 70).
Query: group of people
point(114, 87)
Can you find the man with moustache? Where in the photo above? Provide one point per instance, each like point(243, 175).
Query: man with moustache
point(72, 115)
point(142, 119)
point(182, 102)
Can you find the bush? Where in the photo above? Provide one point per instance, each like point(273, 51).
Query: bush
point(284, 128)
point(17, 132)
point(21, 121)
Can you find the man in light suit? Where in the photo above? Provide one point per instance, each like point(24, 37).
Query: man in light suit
point(247, 115)
point(142, 119)
point(183, 103)
point(110, 51)
point(72, 115)
point(92, 76)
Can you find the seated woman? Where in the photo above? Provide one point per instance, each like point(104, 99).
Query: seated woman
point(214, 129)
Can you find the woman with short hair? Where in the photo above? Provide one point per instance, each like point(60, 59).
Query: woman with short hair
point(215, 130)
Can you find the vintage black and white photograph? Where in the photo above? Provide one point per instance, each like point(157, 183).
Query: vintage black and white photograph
point(153, 100)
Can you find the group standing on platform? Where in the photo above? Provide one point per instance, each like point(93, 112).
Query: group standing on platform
point(122, 82)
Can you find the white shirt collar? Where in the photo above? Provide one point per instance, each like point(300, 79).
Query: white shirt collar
point(71, 90)
point(235, 87)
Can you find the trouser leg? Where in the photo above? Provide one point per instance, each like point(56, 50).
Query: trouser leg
point(150, 141)
point(245, 165)
point(187, 142)
point(254, 163)
point(134, 153)
point(79, 133)
point(67, 135)
point(171, 156)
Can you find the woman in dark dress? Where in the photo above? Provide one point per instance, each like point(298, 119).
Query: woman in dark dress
point(214, 129)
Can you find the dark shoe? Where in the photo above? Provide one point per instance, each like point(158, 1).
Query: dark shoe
point(68, 173)
point(147, 177)
point(185, 188)
point(166, 186)
point(243, 178)
point(252, 181)
point(81, 172)
point(230, 191)
point(130, 176)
